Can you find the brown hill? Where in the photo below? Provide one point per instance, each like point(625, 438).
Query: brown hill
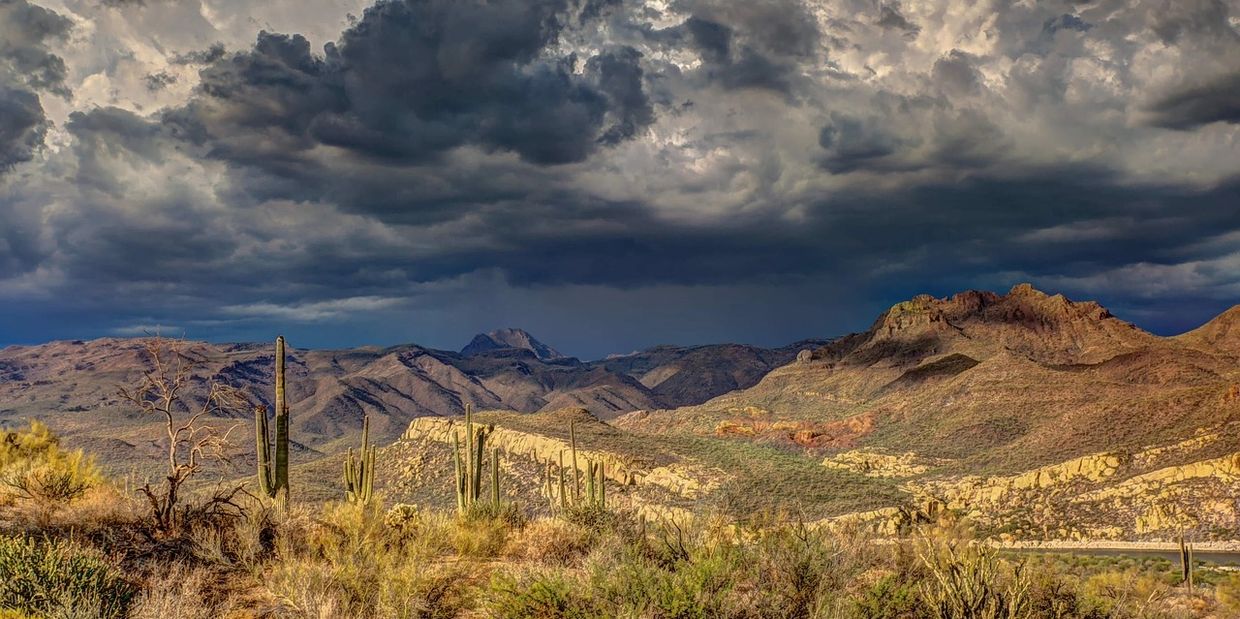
point(1222, 334)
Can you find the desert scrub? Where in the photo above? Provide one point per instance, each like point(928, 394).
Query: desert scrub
point(696, 576)
point(969, 581)
point(539, 595)
point(36, 472)
point(348, 563)
point(550, 541)
point(45, 577)
point(888, 598)
point(182, 592)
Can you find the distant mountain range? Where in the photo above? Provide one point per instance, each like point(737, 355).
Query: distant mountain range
point(1035, 416)
point(73, 384)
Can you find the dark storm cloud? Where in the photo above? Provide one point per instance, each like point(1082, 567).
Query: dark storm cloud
point(1067, 21)
point(852, 143)
point(26, 67)
point(750, 45)
point(1216, 101)
point(440, 154)
point(412, 80)
point(205, 56)
point(159, 81)
point(22, 126)
point(1175, 20)
point(956, 73)
point(889, 16)
point(25, 32)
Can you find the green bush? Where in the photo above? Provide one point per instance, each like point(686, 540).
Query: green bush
point(888, 599)
point(540, 596)
point(43, 577)
point(33, 468)
point(969, 581)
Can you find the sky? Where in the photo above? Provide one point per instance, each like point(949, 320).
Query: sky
point(606, 174)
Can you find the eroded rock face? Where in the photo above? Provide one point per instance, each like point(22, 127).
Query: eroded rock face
point(1110, 495)
point(684, 480)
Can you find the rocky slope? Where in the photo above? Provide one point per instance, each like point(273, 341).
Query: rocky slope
point(978, 399)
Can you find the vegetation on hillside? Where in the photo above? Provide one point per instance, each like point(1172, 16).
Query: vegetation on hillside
point(102, 553)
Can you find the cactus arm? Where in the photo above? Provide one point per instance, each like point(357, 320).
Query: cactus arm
point(572, 439)
point(590, 480)
point(460, 474)
point(560, 471)
point(1190, 568)
point(495, 478)
point(602, 486)
point(479, 457)
point(368, 480)
point(350, 477)
point(262, 450)
point(1184, 567)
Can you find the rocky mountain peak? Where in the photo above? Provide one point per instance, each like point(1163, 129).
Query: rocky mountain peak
point(510, 338)
point(1050, 328)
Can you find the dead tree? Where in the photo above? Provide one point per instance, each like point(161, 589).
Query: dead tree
point(170, 391)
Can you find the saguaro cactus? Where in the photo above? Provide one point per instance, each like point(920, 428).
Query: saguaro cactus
point(470, 461)
point(359, 473)
point(595, 480)
point(273, 474)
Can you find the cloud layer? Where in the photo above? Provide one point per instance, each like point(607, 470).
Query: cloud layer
point(693, 169)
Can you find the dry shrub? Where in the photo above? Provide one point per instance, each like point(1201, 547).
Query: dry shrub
point(1228, 593)
point(1128, 593)
point(479, 537)
point(53, 577)
point(38, 479)
point(347, 563)
point(551, 541)
point(182, 592)
point(968, 581)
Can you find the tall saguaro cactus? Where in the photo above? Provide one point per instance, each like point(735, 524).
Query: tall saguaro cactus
point(359, 473)
point(273, 473)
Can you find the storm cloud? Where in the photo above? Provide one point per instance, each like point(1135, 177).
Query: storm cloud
point(27, 67)
point(694, 170)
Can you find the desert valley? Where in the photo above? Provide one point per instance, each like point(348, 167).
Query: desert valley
point(619, 309)
point(1037, 417)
